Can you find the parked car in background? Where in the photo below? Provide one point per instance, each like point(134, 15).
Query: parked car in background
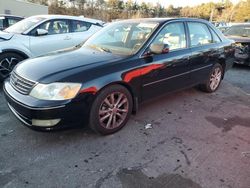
point(8, 20)
point(38, 35)
point(220, 24)
point(223, 29)
point(240, 33)
point(122, 65)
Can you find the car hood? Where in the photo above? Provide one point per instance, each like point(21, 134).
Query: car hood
point(63, 64)
point(239, 39)
point(5, 35)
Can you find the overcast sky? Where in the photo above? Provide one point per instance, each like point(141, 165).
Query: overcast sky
point(182, 3)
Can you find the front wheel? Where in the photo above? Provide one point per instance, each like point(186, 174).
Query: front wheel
point(110, 110)
point(214, 79)
point(7, 62)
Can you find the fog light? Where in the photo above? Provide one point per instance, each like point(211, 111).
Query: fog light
point(45, 123)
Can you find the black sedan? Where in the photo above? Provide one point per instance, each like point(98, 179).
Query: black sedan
point(103, 81)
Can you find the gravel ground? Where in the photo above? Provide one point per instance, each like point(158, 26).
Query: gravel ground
point(197, 140)
point(239, 76)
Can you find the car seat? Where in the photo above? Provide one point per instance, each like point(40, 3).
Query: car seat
point(173, 40)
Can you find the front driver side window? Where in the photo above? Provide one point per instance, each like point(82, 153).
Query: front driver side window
point(54, 27)
point(173, 35)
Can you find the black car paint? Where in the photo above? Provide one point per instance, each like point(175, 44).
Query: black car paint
point(145, 76)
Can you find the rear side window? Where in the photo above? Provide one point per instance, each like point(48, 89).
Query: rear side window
point(199, 34)
point(80, 26)
point(216, 39)
point(55, 26)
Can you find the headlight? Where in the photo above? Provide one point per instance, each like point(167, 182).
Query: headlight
point(55, 91)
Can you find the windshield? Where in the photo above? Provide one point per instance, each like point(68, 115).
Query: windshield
point(121, 37)
point(242, 31)
point(24, 25)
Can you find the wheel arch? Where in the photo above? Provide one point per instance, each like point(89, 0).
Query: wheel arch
point(24, 55)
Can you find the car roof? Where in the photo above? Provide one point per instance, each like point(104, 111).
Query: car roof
point(163, 20)
point(9, 15)
point(80, 18)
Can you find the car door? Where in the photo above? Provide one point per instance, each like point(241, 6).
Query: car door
point(206, 49)
point(168, 71)
point(58, 37)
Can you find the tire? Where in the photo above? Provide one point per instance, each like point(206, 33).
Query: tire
point(214, 79)
point(7, 62)
point(104, 118)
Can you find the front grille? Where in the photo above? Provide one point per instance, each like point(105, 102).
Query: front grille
point(22, 85)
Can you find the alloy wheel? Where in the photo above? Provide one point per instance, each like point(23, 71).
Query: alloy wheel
point(113, 110)
point(7, 64)
point(215, 78)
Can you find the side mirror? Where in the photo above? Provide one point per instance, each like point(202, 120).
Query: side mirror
point(41, 32)
point(159, 48)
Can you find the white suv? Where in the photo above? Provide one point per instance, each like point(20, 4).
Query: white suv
point(38, 35)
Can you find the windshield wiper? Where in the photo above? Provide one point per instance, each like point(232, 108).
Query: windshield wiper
point(244, 36)
point(100, 48)
point(105, 49)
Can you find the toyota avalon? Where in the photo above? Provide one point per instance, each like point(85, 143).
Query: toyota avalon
point(102, 82)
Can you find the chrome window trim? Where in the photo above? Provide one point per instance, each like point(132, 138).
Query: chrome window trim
point(185, 22)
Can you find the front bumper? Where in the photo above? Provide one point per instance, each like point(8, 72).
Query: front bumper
point(28, 109)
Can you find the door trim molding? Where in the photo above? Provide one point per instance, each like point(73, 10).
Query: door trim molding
point(171, 77)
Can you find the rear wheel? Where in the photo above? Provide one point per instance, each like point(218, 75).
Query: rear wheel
point(7, 62)
point(213, 80)
point(111, 110)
